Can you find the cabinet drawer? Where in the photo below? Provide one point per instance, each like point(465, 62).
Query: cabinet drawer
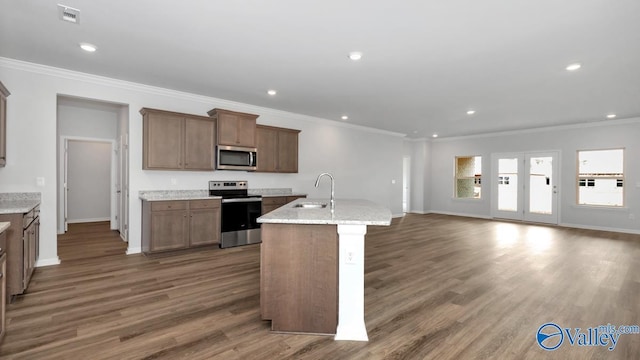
point(204, 204)
point(169, 205)
point(274, 200)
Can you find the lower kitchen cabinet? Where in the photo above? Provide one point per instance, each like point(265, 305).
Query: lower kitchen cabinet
point(3, 283)
point(3, 292)
point(270, 203)
point(22, 245)
point(203, 231)
point(173, 225)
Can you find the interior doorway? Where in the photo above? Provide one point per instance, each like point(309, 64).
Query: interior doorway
point(525, 186)
point(83, 126)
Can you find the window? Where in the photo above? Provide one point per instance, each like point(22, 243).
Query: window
point(601, 177)
point(468, 177)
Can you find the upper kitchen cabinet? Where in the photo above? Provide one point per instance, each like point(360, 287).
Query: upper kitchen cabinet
point(4, 93)
point(176, 141)
point(277, 149)
point(235, 128)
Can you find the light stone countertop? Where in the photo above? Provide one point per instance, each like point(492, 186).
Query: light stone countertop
point(276, 192)
point(4, 226)
point(167, 195)
point(18, 203)
point(347, 212)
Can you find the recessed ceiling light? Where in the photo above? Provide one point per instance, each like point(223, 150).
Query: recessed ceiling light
point(415, 131)
point(355, 55)
point(574, 67)
point(88, 47)
point(611, 116)
point(271, 92)
point(434, 135)
point(344, 117)
point(471, 112)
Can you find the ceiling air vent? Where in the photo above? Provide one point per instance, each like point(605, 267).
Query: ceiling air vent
point(69, 14)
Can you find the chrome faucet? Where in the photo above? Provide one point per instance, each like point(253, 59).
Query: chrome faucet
point(333, 204)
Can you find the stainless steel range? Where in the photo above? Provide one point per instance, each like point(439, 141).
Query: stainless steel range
point(240, 212)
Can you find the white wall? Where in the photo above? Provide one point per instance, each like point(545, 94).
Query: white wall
point(364, 161)
point(568, 140)
point(89, 181)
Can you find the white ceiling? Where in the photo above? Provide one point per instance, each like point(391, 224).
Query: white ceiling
point(425, 62)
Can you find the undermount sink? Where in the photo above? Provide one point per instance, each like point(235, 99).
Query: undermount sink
point(310, 205)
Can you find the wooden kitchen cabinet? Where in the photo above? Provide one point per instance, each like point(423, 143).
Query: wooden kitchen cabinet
point(270, 203)
point(22, 247)
point(277, 149)
point(235, 128)
point(3, 283)
point(3, 293)
point(4, 93)
point(173, 225)
point(177, 141)
point(204, 222)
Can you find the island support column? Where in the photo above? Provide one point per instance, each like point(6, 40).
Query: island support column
point(351, 283)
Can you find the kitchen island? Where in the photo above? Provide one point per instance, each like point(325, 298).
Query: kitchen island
point(312, 266)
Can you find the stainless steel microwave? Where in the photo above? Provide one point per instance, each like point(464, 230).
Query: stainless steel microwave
point(236, 158)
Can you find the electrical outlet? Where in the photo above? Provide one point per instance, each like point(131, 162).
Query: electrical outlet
point(632, 216)
point(350, 257)
point(40, 181)
point(174, 181)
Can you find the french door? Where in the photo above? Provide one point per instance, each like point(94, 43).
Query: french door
point(525, 186)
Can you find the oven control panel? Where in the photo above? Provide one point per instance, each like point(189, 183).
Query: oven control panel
point(228, 185)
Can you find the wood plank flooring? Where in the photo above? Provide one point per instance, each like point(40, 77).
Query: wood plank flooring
point(436, 287)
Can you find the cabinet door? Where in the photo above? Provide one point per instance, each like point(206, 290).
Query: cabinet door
point(3, 294)
point(169, 230)
point(205, 226)
point(199, 144)
point(246, 131)
point(163, 134)
point(267, 144)
point(29, 258)
point(228, 129)
point(3, 128)
point(287, 152)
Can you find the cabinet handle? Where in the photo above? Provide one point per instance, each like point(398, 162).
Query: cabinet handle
point(1, 275)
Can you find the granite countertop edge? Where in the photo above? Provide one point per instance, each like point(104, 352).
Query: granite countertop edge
point(169, 195)
point(17, 206)
point(347, 212)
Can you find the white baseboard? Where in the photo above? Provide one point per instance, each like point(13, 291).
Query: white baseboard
point(419, 212)
point(48, 262)
point(601, 228)
point(78, 221)
point(462, 214)
point(134, 250)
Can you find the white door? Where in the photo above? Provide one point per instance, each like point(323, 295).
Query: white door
point(525, 186)
point(65, 188)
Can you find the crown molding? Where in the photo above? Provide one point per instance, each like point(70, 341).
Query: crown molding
point(154, 90)
point(591, 124)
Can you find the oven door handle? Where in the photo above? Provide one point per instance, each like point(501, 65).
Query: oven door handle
point(241, 200)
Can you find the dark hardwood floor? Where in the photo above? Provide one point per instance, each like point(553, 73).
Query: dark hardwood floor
point(436, 287)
